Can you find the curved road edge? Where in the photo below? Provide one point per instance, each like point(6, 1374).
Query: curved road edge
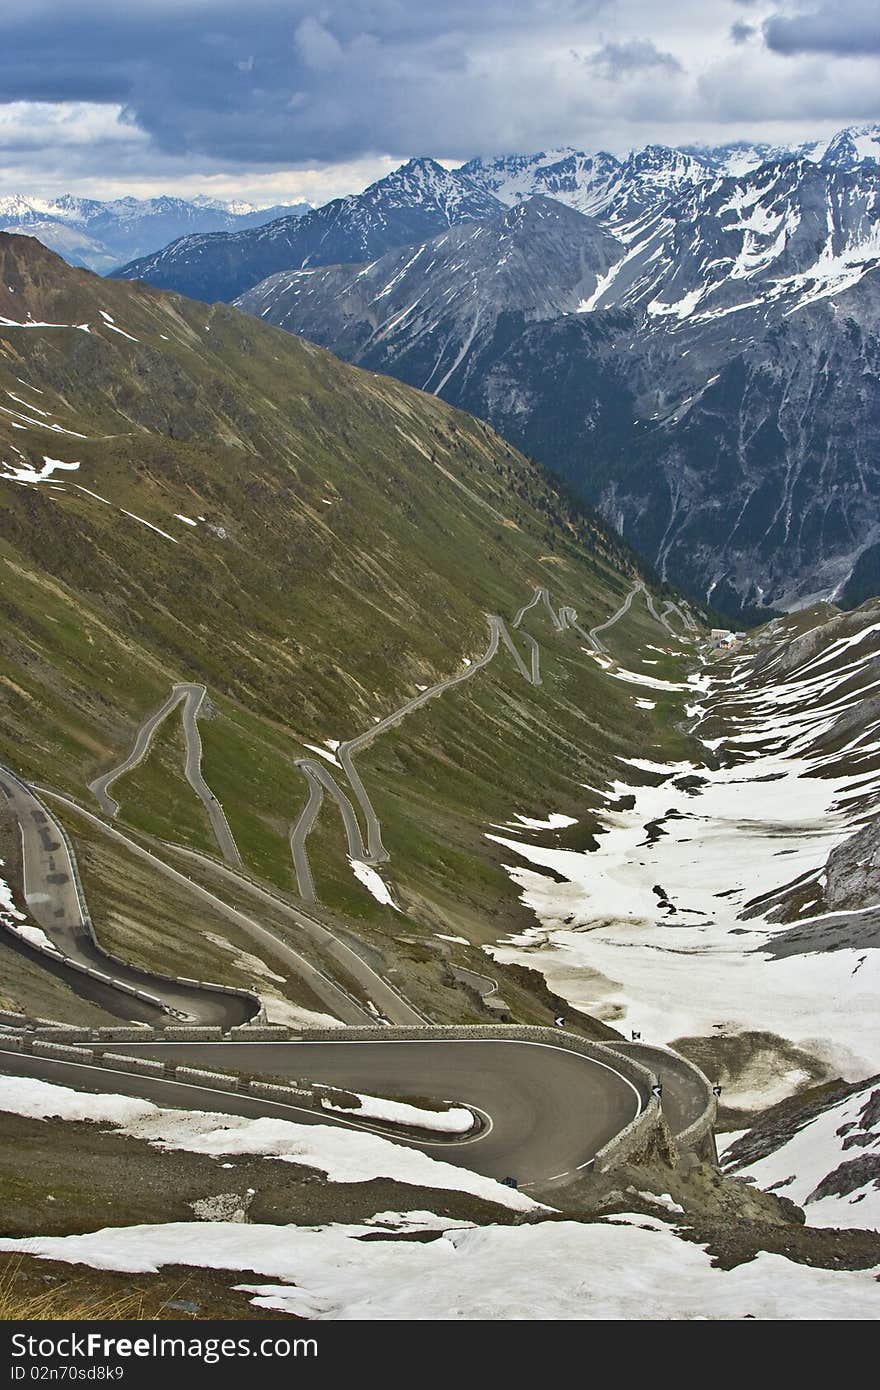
point(553, 1104)
point(193, 696)
point(54, 899)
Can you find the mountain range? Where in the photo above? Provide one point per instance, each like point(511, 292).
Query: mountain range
point(702, 366)
point(687, 336)
point(101, 235)
point(617, 189)
point(422, 198)
point(415, 201)
point(583, 809)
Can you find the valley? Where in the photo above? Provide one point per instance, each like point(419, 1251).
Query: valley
point(689, 342)
point(334, 732)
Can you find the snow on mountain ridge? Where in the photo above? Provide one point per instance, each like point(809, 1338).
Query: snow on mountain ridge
point(100, 235)
point(414, 202)
point(795, 230)
point(620, 190)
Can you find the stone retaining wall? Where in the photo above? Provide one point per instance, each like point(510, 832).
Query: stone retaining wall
point(284, 1093)
point(696, 1132)
point(60, 1050)
point(169, 1070)
point(119, 1062)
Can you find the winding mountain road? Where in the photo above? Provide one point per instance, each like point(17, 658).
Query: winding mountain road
point(615, 618)
point(193, 696)
point(547, 1110)
point(385, 998)
point(658, 617)
point(55, 900)
point(371, 850)
point(336, 999)
point(683, 615)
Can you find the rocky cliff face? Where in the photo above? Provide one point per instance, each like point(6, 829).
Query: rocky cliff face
point(710, 380)
point(418, 200)
point(434, 309)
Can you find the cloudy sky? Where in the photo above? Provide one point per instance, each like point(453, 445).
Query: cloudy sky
point(288, 99)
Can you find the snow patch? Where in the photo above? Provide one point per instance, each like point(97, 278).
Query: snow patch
point(342, 1154)
point(629, 1269)
point(373, 882)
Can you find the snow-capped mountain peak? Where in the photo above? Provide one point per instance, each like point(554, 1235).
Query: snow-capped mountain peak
point(425, 184)
point(100, 235)
point(853, 145)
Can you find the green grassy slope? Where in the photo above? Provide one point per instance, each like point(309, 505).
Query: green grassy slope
point(355, 534)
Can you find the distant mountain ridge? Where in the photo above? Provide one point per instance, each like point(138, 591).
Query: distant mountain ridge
point(426, 313)
point(417, 200)
point(101, 235)
point(421, 198)
point(660, 330)
point(618, 190)
point(708, 375)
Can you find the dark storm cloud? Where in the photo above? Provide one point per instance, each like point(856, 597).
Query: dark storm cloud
point(267, 81)
point(616, 60)
point(846, 28)
point(741, 33)
point(111, 89)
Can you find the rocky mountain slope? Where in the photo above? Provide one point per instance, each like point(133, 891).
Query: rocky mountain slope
point(715, 392)
point(532, 262)
point(102, 235)
point(422, 198)
point(617, 190)
point(417, 200)
point(580, 800)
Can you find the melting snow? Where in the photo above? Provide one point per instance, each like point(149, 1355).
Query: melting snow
point(456, 1120)
point(682, 962)
point(797, 1168)
point(373, 882)
point(157, 529)
point(342, 1154)
point(26, 473)
point(322, 753)
point(630, 1269)
point(553, 822)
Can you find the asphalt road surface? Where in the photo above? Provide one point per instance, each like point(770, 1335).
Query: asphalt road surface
point(683, 615)
point(193, 696)
point(547, 1110)
point(371, 850)
point(384, 996)
point(684, 1089)
point(615, 618)
point(338, 1001)
point(53, 901)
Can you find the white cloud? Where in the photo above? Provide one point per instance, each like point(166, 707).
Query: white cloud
point(46, 125)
